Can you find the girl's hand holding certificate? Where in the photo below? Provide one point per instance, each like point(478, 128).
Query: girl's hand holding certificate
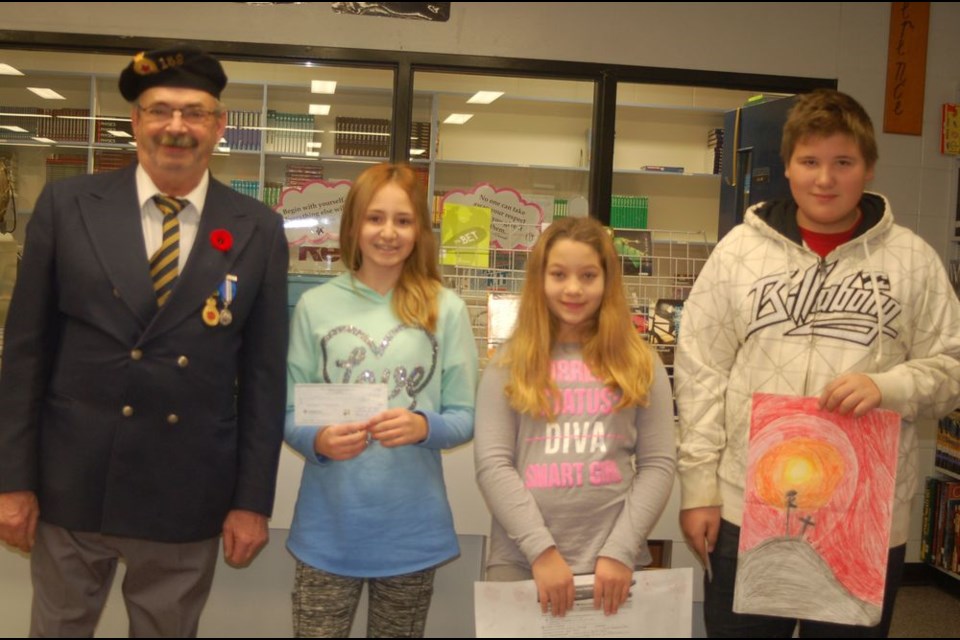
point(398, 427)
point(341, 441)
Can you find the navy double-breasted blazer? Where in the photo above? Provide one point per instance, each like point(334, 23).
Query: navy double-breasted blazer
point(131, 420)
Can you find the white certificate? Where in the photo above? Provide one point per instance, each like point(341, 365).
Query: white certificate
point(660, 606)
point(320, 405)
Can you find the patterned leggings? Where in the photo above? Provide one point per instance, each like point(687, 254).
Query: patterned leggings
point(324, 604)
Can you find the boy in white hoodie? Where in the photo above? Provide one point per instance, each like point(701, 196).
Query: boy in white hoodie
point(820, 294)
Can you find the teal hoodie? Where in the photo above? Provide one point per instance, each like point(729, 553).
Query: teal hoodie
point(385, 512)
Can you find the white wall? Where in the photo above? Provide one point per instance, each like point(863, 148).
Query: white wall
point(779, 38)
point(846, 41)
point(839, 40)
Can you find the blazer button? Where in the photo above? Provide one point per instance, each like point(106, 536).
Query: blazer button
point(136, 354)
point(127, 411)
point(116, 293)
point(173, 418)
point(182, 362)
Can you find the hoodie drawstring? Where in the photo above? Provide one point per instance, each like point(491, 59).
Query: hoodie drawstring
point(878, 356)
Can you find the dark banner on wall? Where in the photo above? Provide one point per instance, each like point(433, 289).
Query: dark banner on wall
point(906, 67)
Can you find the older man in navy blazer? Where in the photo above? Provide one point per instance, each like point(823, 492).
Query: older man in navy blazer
point(143, 420)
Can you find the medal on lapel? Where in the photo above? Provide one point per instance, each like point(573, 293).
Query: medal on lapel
point(228, 291)
point(210, 314)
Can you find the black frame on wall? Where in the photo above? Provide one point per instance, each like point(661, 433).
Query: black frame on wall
point(405, 64)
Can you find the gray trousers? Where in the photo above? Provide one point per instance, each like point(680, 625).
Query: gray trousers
point(165, 587)
point(324, 604)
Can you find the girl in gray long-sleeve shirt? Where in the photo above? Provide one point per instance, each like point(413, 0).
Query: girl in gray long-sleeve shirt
point(574, 427)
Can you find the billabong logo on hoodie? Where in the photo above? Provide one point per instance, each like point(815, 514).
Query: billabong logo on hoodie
point(855, 309)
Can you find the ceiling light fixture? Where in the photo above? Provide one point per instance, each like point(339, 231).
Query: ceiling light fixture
point(484, 97)
point(457, 118)
point(46, 94)
point(323, 86)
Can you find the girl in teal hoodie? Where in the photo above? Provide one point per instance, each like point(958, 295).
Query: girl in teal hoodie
point(372, 505)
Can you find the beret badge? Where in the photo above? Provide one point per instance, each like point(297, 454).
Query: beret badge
point(142, 65)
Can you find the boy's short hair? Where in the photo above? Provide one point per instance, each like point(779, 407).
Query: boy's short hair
point(824, 112)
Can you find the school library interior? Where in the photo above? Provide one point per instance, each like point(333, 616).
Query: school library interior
point(501, 155)
point(503, 146)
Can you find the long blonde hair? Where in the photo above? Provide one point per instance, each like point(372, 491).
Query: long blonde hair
point(416, 291)
point(613, 350)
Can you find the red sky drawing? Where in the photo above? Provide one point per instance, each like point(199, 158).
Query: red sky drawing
point(842, 470)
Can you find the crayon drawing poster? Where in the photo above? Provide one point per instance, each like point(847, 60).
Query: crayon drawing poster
point(817, 511)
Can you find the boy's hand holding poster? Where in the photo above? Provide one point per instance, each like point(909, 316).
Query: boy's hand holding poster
point(817, 512)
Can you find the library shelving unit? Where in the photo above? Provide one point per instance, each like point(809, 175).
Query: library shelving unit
point(941, 498)
point(536, 139)
point(941, 501)
point(271, 141)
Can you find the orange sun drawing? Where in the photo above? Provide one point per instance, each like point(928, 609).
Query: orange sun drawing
point(809, 469)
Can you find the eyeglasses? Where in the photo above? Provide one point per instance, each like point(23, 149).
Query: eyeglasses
point(164, 113)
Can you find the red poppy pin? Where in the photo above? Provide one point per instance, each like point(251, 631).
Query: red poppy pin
point(221, 240)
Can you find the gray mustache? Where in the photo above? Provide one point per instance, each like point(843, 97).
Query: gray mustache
point(183, 141)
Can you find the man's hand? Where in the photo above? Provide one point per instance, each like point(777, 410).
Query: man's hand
point(611, 584)
point(554, 581)
point(852, 393)
point(244, 534)
point(19, 511)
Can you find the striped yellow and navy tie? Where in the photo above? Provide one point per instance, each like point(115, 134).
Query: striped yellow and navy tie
point(163, 264)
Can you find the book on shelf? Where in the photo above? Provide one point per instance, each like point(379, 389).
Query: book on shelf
point(243, 130)
point(362, 137)
point(65, 125)
point(715, 150)
point(948, 443)
point(666, 321)
point(21, 127)
point(930, 497)
point(109, 160)
point(114, 130)
point(948, 559)
point(629, 212)
point(289, 132)
point(939, 534)
point(662, 168)
point(271, 193)
point(641, 315)
point(370, 138)
point(635, 248)
point(300, 175)
point(420, 140)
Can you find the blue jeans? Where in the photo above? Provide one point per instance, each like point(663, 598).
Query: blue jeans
point(722, 622)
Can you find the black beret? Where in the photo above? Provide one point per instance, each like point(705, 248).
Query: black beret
point(186, 67)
